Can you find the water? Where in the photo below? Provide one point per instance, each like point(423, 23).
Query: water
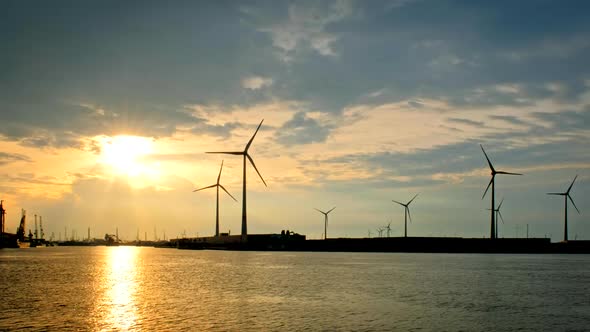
point(129, 288)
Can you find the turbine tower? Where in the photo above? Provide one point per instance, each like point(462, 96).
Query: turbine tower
point(492, 183)
point(2, 218)
point(217, 186)
point(325, 221)
point(245, 155)
point(566, 195)
point(406, 213)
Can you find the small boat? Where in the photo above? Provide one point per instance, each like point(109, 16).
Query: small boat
point(23, 244)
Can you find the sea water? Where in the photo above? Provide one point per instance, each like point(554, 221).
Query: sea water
point(151, 289)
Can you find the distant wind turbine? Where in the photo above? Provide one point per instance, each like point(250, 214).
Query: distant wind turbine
point(325, 221)
point(492, 183)
point(498, 213)
point(217, 186)
point(380, 231)
point(245, 155)
point(406, 213)
point(566, 195)
point(388, 228)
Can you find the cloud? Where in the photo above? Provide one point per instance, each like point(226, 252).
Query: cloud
point(106, 82)
point(452, 163)
point(6, 158)
point(467, 122)
point(566, 121)
point(306, 26)
point(377, 93)
point(29, 184)
point(69, 125)
point(31, 178)
point(301, 129)
point(223, 131)
point(391, 52)
point(256, 82)
point(510, 119)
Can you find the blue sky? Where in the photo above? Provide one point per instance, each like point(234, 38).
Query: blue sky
point(363, 102)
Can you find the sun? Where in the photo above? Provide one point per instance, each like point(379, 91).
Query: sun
point(124, 154)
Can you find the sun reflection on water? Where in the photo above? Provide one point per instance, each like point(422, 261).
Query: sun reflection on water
point(121, 283)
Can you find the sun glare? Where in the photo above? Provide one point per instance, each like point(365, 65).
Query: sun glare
point(124, 154)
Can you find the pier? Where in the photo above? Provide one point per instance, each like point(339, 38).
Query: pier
point(297, 242)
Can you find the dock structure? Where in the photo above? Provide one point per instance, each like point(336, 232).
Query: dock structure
point(286, 240)
point(297, 242)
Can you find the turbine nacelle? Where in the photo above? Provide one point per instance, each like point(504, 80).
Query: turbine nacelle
point(497, 210)
point(245, 153)
point(493, 172)
point(325, 213)
point(218, 184)
point(408, 203)
point(567, 194)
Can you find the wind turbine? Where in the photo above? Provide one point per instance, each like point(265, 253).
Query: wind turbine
point(245, 155)
point(492, 183)
point(388, 228)
point(406, 213)
point(566, 195)
point(217, 186)
point(380, 231)
point(325, 221)
point(498, 213)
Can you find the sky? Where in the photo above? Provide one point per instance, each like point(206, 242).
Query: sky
point(107, 109)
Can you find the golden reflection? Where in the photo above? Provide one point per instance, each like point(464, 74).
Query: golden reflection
point(121, 287)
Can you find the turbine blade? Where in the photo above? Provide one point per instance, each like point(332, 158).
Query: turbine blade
point(330, 210)
point(412, 199)
point(251, 139)
point(507, 173)
point(488, 159)
point(400, 203)
point(227, 192)
point(560, 194)
point(211, 186)
point(320, 211)
point(571, 200)
point(571, 185)
point(239, 153)
point(488, 187)
point(220, 169)
point(499, 206)
point(253, 164)
point(501, 218)
point(409, 215)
